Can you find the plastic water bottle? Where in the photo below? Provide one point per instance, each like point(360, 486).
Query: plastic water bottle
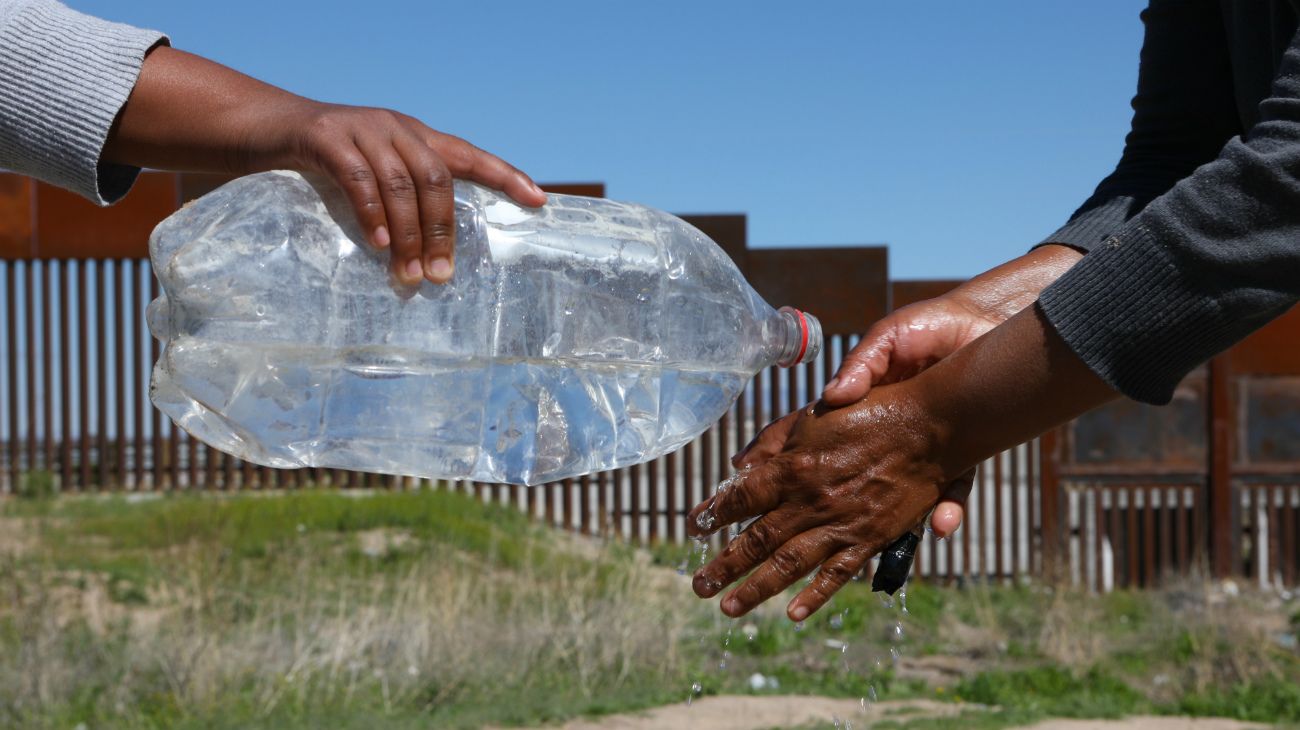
point(584, 335)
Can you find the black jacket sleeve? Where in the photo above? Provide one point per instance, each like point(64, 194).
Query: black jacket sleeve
point(1203, 265)
point(1183, 113)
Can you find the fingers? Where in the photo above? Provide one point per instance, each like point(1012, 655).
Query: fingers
point(863, 367)
point(401, 210)
point(948, 514)
point(834, 575)
point(792, 561)
point(767, 443)
point(471, 163)
point(749, 549)
point(397, 174)
point(435, 200)
point(351, 171)
point(747, 494)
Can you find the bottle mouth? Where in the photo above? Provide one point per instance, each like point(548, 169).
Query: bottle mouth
point(804, 339)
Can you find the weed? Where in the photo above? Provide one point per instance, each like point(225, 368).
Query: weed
point(37, 484)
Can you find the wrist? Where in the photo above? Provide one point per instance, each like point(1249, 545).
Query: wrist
point(927, 418)
point(272, 135)
point(1003, 291)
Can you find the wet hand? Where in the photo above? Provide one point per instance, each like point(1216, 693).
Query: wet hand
point(944, 519)
point(845, 483)
point(914, 338)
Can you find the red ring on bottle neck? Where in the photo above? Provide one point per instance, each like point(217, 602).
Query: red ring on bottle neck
point(803, 341)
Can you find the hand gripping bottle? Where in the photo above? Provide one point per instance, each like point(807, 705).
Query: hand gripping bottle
point(580, 336)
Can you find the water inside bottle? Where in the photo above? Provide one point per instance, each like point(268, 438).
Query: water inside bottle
point(544, 419)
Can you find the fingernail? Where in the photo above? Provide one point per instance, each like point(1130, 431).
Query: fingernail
point(381, 237)
point(439, 269)
point(537, 189)
point(413, 269)
point(799, 613)
point(731, 606)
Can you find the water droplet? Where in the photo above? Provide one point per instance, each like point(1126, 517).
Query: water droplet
point(871, 693)
point(676, 270)
point(897, 633)
point(696, 689)
point(705, 520)
point(260, 310)
point(798, 626)
point(894, 652)
point(837, 621)
point(886, 600)
point(902, 601)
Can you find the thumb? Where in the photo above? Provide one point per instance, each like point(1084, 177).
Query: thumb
point(951, 510)
point(767, 443)
point(863, 367)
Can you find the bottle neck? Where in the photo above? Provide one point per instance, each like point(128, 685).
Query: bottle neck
point(798, 337)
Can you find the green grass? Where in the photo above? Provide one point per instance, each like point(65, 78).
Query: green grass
point(430, 608)
point(1052, 691)
point(459, 614)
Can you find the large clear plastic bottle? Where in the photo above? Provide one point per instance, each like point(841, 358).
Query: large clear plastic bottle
point(584, 335)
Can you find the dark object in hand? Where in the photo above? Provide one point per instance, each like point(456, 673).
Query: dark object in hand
point(895, 564)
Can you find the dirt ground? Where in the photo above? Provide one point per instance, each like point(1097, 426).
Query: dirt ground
point(737, 712)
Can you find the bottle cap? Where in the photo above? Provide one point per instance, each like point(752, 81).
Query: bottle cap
point(810, 338)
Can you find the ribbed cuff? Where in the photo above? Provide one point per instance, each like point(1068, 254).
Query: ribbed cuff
point(1137, 319)
point(1092, 223)
point(64, 76)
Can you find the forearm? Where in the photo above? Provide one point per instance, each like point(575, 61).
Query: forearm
point(1014, 383)
point(1004, 290)
point(189, 113)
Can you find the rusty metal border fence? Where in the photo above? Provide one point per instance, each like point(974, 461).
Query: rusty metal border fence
point(74, 411)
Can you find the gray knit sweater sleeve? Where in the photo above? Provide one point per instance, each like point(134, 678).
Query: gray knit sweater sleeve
point(64, 76)
point(1201, 267)
point(1183, 113)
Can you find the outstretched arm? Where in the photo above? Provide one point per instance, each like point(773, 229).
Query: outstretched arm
point(1183, 113)
point(85, 103)
point(188, 113)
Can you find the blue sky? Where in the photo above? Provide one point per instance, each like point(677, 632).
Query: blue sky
point(958, 133)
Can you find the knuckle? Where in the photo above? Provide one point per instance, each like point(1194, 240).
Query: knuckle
point(786, 564)
point(410, 235)
point(440, 231)
point(358, 173)
point(463, 156)
point(378, 116)
point(436, 175)
point(834, 575)
point(802, 462)
point(753, 547)
point(399, 184)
